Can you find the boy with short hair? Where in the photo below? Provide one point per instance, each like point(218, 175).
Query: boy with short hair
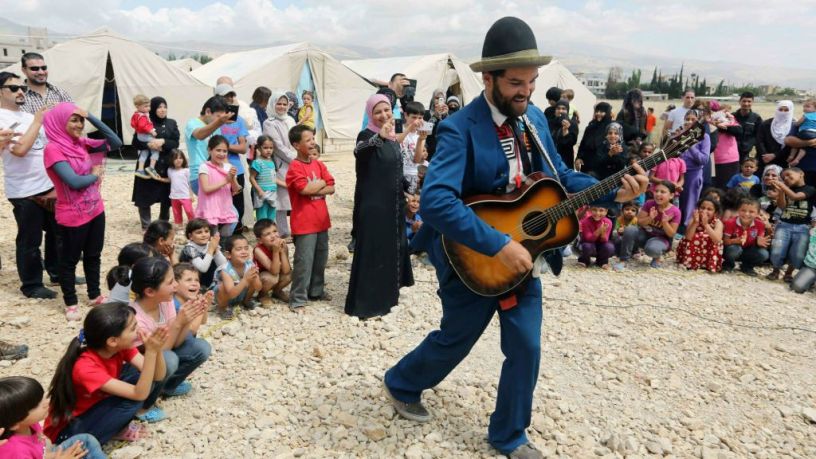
point(308, 182)
point(412, 144)
point(413, 222)
point(188, 289)
point(272, 258)
point(145, 132)
point(746, 177)
point(202, 250)
point(238, 280)
point(790, 241)
point(744, 239)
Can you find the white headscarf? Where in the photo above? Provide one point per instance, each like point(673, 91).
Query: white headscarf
point(270, 109)
point(781, 124)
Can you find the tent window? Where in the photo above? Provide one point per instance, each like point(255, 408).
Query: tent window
point(23, 52)
point(5, 51)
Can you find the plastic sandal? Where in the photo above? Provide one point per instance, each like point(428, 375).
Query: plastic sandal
point(182, 389)
point(72, 313)
point(153, 415)
point(132, 432)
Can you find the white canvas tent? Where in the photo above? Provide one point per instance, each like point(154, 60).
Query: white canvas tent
point(188, 64)
point(435, 71)
point(81, 66)
point(555, 74)
point(340, 93)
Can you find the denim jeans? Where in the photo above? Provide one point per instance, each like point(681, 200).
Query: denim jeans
point(108, 417)
point(803, 280)
point(180, 362)
point(750, 257)
point(93, 450)
point(634, 237)
point(789, 243)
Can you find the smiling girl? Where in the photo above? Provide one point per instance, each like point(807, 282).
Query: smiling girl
point(217, 184)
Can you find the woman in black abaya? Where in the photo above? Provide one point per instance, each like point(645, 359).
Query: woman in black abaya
point(381, 262)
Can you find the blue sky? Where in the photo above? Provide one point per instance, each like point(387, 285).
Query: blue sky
point(768, 32)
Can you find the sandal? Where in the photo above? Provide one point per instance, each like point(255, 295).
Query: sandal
point(132, 432)
point(153, 415)
point(101, 299)
point(72, 313)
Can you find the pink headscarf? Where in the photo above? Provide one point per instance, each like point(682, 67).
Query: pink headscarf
point(372, 102)
point(54, 123)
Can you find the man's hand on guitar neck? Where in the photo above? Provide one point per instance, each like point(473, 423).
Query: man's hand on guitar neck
point(632, 186)
point(516, 257)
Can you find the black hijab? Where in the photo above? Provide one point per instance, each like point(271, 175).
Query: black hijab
point(154, 106)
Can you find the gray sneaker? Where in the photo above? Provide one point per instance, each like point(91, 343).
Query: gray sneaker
point(413, 411)
point(526, 451)
point(10, 351)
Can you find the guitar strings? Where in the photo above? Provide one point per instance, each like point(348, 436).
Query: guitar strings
point(562, 209)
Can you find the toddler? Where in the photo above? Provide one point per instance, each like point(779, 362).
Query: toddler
point(237, 280)
point(306, 114)
point(272, 258)
point(744, 239)
point(806, 130)
point(596, 230)
point(701, 247)
point(264, 179)
point(23, 406)
point(202, 250)
point(413, 222)
point(102, 381)
point(181, 195)
point(746, 178)
point(627, 218)
point(140, 122)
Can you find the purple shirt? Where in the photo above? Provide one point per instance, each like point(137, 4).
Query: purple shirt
point(656, 228)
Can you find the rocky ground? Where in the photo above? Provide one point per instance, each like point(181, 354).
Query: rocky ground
point(640, 363)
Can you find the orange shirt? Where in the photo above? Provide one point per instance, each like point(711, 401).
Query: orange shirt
point(650, 122)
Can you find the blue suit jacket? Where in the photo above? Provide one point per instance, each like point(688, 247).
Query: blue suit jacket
point(469, 160)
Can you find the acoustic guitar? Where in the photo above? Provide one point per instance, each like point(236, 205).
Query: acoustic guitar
point(540, 215)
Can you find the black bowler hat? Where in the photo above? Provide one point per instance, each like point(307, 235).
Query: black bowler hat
point(509, 43)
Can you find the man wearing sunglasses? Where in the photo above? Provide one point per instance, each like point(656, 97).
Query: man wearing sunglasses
point(40, 92)
point(26, 185)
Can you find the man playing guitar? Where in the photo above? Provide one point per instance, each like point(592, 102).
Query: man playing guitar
point(487, 147)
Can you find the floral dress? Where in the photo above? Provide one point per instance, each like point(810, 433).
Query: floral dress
point(700, 251)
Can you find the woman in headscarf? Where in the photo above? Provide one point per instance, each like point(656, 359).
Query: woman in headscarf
point(613, 153)
point(633, 117)
point(437, 111)
point(696, 159)
point(149, 192)
point(294, 107)
point(277, 126)
point(381, 262)
point(587, 159)
point(766, 195)
point(79, 210)
point(771, 135)
point(565, 133)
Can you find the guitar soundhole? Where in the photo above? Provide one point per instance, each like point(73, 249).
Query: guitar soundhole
point(535, 224)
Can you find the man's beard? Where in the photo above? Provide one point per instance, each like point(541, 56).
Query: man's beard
point(505, 104)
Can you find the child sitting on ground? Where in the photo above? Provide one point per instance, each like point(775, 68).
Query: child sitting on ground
point(744, 239)
point(23, 406)
point(596, 230)
point(140, 122)
point(272, 258)
point(413, 222)
point(154, 284)
point(658, 220)
point(730, 201)
point(102, 381)
point(202, 250)
point(805, 130)
point(701, 247)
point(188, 288)
point(746, 178)
point(236, 281)
point(160, 235)
point(806, 276)
point(118, 277)
point(628, 217)
point(308, 182)
point(791, 237)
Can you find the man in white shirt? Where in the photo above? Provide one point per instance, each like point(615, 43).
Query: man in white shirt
point(677, 116)
point(26, 182)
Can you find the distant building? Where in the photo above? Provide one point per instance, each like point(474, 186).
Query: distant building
point(651, 95)
point(13, 47)
point(595, 82)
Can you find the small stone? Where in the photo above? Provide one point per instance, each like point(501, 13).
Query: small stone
point(714, 386)
point(413, 452)
point(747, 378)
point(374, 433)
point(786, 411)
point(654, 448)
point(614, 333)
point(346, 420)
point(782, 348)
point(128, 452)
point(316, 352)
point(602, 451)
point(809, 414)
point(21, 321)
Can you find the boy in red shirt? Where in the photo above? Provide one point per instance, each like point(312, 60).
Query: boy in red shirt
point(744, 239)
point(308, 182)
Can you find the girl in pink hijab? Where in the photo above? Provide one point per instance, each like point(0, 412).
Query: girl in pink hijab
point(74, 164)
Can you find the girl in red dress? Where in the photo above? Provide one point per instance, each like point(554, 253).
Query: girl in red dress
point(702, 247)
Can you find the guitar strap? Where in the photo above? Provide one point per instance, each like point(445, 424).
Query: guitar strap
point(540, 145)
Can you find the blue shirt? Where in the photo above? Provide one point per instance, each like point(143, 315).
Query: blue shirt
point(233, 131)
point(810, 122)
point(196, 149)
point(740, 180)
point(409, 222)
